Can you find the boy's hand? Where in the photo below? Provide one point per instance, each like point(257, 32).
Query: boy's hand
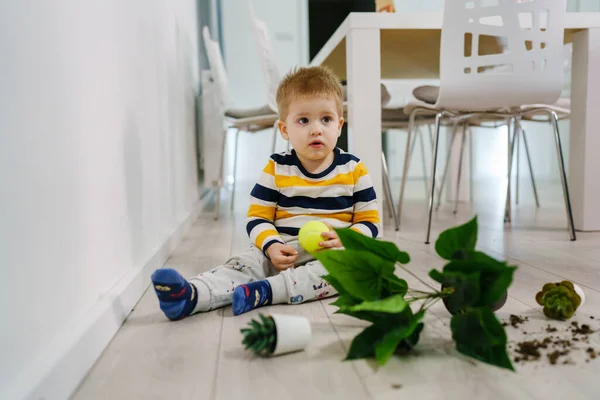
point(282, 256)
point(332, 240)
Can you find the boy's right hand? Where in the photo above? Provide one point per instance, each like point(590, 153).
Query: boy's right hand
point(282, 256)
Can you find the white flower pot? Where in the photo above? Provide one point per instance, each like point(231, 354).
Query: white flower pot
point(293, 333)
point(579, 291)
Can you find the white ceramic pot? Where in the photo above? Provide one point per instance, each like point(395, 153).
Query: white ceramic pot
point(579, 291)
point(293, 333)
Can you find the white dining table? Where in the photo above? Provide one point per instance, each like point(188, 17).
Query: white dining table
point(368, 47)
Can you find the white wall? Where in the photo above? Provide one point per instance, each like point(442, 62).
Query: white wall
point(97, 164)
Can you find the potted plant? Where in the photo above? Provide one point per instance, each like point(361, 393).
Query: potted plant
point(276, 335)
point(560, 299)
point(473, 284)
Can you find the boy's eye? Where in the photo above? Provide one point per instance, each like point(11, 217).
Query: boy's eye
point(303, 121)
point(327, 119)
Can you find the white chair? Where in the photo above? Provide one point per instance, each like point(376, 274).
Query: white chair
point(562, 108)
point(514, 84)
point(248, 120)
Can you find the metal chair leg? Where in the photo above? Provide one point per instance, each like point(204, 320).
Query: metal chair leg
point(511, 149)
point(438, 122)
point(518, 127)
point(445, 174)
point(533, 185)
point(460, 163)
point(407, 156)
point(388, 191)
point(563, 175)
point(423, 161)
point(235, 151)
point(470, 133)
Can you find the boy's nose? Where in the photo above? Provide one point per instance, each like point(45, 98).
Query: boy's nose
point(315, 130)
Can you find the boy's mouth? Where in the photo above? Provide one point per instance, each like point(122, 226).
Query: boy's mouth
point(315, 144)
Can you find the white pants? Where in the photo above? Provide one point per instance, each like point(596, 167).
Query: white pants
point(292, 286)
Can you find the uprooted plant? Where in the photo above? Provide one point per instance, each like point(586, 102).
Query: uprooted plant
point(472, 284)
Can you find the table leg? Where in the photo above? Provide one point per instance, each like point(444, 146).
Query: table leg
point(584, 163)
point(363, 75)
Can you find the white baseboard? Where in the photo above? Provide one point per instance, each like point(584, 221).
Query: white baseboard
point(60, 369)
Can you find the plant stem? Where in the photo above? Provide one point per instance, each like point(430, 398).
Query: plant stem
point(417, 278)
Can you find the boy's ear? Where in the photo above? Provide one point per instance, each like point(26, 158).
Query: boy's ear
point(283, 129)
point(341, 124)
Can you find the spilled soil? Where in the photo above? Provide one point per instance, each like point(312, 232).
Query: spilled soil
point(553, 349)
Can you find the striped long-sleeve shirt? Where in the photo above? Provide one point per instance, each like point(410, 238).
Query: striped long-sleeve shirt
point(287, 196)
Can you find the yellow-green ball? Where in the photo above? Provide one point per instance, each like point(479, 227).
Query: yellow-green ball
point(310, 235)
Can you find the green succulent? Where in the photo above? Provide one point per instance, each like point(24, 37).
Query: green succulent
point(560, 300)
point(260, 338)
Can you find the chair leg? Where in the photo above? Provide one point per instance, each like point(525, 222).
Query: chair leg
point(388, 191)
point(436, 142)
point(235, 151)
point(274, 138)
point(563, 175)
point(533, 185)
point(423, 161)
point(511, 149)
point(445, 174)
point(470, 133)
point(407, 156)
point(460, 163)
point(518, 153)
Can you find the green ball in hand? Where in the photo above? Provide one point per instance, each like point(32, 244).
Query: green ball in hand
point(310, 235)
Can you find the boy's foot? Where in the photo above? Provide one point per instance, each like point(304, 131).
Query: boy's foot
point(250, 296)
point(177, 297)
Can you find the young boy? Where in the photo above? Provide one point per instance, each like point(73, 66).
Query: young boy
point(314, 181)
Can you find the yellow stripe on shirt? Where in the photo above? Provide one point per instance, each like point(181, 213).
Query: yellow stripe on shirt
point(283, 181)
point(265, 234)
point(344, 217)
point(260, 211)
point(366, 216)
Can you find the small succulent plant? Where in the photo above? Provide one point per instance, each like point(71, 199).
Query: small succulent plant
point(260, 338)
point(560, 300)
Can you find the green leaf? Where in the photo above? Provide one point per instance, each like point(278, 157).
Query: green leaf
point(401, 326)
point(480, 335)
point(358, 273)
point(392, 305)
point(363, 315)
point(465, 285)
point(391, 340)
point(341, 289)
point(394, 285)
point(496, 276)
point(454, 242)
point(345, 301)
point(353, 240)
point(493, 286)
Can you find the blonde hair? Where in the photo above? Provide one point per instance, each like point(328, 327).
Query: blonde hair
point(307, 82)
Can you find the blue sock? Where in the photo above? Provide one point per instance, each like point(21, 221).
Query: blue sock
point(177, 297)
point(251, 296)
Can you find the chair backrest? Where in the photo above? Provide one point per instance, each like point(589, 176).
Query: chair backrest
point(217, 67)
point(266, 54)
point(527, 68)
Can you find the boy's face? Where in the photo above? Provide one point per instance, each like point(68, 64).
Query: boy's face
point(312, 126)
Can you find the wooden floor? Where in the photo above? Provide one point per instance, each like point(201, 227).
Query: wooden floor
point(202, 357)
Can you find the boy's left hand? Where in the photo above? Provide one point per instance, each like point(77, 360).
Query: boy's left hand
point(331, 241)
